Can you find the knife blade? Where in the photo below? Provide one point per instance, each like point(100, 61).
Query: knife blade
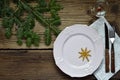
point(106, 49)
point(112, 39)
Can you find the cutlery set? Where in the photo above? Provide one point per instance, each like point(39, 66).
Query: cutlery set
point(109, 36)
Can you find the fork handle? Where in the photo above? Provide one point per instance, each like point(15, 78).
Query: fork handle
point(112, 59)
point(106, 60)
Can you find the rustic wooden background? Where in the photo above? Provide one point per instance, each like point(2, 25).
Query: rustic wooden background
point(74, 12)
point(39, 64)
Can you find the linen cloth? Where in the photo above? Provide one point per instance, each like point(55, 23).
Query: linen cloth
point(100, 73)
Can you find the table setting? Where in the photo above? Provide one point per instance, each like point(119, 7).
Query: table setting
point(59, 40)
point(82, 50)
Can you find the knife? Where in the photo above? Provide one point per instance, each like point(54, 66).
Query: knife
point(112, 39)
point(106, 49)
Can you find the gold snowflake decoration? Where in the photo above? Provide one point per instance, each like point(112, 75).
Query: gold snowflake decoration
point(84, 54)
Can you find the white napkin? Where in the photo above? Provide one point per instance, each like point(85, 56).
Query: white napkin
point(100, 74)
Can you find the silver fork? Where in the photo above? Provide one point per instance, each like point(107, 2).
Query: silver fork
point(112, 39)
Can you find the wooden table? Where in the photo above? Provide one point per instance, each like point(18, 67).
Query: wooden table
point(39, 64)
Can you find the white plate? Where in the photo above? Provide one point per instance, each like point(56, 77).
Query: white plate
point(68, 45)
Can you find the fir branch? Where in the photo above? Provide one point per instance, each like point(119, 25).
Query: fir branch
point(24, 25)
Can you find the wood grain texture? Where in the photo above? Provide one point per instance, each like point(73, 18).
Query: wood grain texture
point(40, 64)
point(33, 65)
point(74, 12)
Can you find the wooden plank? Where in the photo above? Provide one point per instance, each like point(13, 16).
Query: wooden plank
point(74, 12)
point(33, 65)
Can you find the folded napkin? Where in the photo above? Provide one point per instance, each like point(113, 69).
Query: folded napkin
point(100, 73)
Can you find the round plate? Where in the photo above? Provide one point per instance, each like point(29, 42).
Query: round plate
point(69, 45)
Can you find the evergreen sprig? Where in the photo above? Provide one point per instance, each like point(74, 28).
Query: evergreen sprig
point(13, 17)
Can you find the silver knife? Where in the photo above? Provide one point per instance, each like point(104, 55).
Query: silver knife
point(112, 39)
point(106, 49)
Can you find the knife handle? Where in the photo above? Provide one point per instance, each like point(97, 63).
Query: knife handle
point(107, 60)
point(112, 59)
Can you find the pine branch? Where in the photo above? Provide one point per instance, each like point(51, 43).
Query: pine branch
point(25, 25)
